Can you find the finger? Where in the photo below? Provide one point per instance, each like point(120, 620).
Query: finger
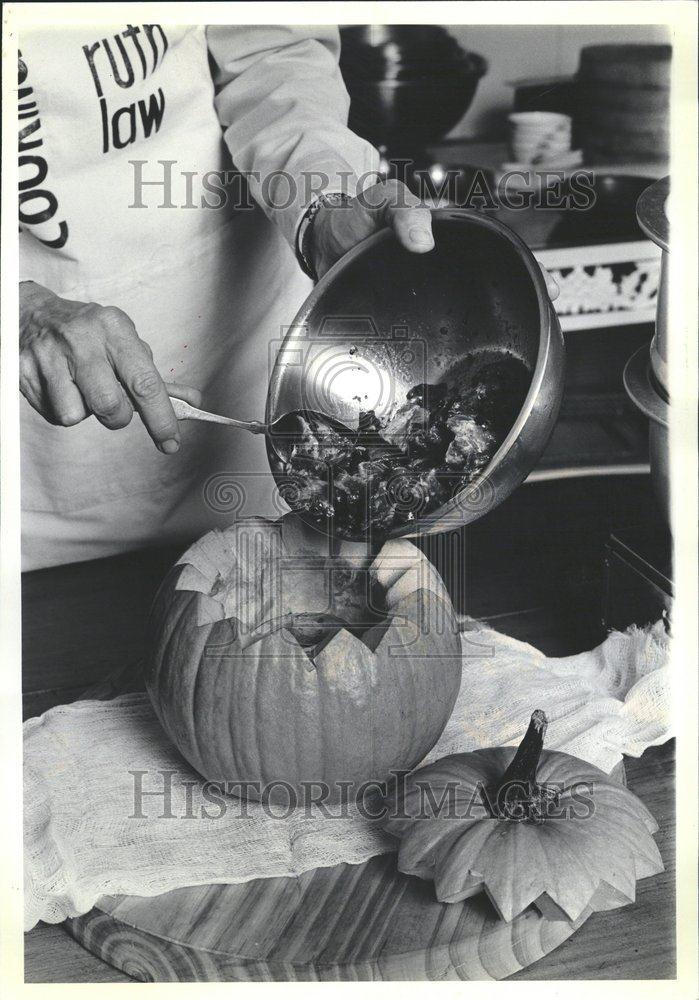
point(30, 383)
point(147, 391)
point(103, 395)
point(66, 404)
point(186, 392)
point(413, 228)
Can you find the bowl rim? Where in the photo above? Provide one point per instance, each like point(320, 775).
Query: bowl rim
point(546, 331)
point(639, 387)
point(539, 118)
point(651, 212)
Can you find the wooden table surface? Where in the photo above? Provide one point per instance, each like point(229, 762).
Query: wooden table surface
point(83, 622)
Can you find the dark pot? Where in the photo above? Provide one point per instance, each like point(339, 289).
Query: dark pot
point(407, 115)
point(386, 52)
point(645, 375)
point(408, 85)
point(653, 220)
point(644, 391)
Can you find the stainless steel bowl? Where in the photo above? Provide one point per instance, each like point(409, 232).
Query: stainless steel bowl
point(646, 373)
point(383, 319)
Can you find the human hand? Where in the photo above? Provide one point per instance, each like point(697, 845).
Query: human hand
point(390, 203)
point(79, 358)
point(338, 228)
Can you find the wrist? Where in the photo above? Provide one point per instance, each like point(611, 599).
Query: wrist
point(311, 221)
point(32, 294)
point(34, 309)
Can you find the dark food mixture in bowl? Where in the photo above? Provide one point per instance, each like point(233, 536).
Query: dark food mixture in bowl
point(391, 472)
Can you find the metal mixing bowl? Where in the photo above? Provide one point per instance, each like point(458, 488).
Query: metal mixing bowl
point(384, 319)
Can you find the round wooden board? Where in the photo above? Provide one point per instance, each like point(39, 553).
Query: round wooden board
point(365, 922)
point(350, 922)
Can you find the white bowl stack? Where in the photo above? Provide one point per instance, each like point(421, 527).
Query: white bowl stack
point(540, 138)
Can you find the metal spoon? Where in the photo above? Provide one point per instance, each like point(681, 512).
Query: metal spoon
point(282, 432)
point(185, 411)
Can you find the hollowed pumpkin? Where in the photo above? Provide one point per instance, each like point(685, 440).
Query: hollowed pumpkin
point(264, 670)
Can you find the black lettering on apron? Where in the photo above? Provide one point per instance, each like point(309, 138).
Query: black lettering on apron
point(133, 33)
point(120, 128)
point(25, 132)
point(89, 51)
point(112, 61)
point(31, 214)
point(38, 217)
point(153, 114)
point(41, 171)
point(117, 140)
point(157, 56)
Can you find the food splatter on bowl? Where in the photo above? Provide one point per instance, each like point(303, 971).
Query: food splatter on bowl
point(394, 470)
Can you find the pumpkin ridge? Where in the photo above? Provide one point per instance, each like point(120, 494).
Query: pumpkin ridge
point(507, 898)
point(635, 809)
point(247, 706)
point(258, 686)
point(580, 859)
point(632, 839)
point(584, 868)
point(166, 657)
point(191, 732)
point(445, 867)
point(161, 635)
point(196, 697)
point(221, 680)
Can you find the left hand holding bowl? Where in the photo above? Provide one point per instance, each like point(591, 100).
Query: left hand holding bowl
point(336, 229)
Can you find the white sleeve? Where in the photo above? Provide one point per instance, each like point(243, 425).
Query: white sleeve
point(282, 102)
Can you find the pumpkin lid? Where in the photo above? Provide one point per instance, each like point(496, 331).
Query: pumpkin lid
point(526, 826)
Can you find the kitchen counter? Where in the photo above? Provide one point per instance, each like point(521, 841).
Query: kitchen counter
point(491, 155)
point(606, 268)
point(608, 274)
point(81, 623)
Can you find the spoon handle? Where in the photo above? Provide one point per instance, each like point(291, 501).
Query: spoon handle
point(185, 411)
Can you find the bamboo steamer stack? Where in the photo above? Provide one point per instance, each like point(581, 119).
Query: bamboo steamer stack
point(624, 103)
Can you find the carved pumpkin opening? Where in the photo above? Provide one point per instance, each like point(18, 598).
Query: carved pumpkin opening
point(355, 602)
point(272, 658)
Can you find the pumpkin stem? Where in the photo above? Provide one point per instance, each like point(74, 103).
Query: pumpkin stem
point(517, 795)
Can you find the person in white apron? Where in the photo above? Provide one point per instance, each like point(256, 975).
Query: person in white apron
point(136, 271)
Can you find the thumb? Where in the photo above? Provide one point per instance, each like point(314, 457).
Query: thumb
point(409, 219)
point(413, 227)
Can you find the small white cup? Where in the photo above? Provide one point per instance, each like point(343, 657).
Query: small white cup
point(536, 135)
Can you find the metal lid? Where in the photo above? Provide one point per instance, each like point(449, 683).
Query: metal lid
point(652, 215)
point(641, 387)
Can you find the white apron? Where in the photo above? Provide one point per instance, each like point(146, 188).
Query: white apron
point(210, 289)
